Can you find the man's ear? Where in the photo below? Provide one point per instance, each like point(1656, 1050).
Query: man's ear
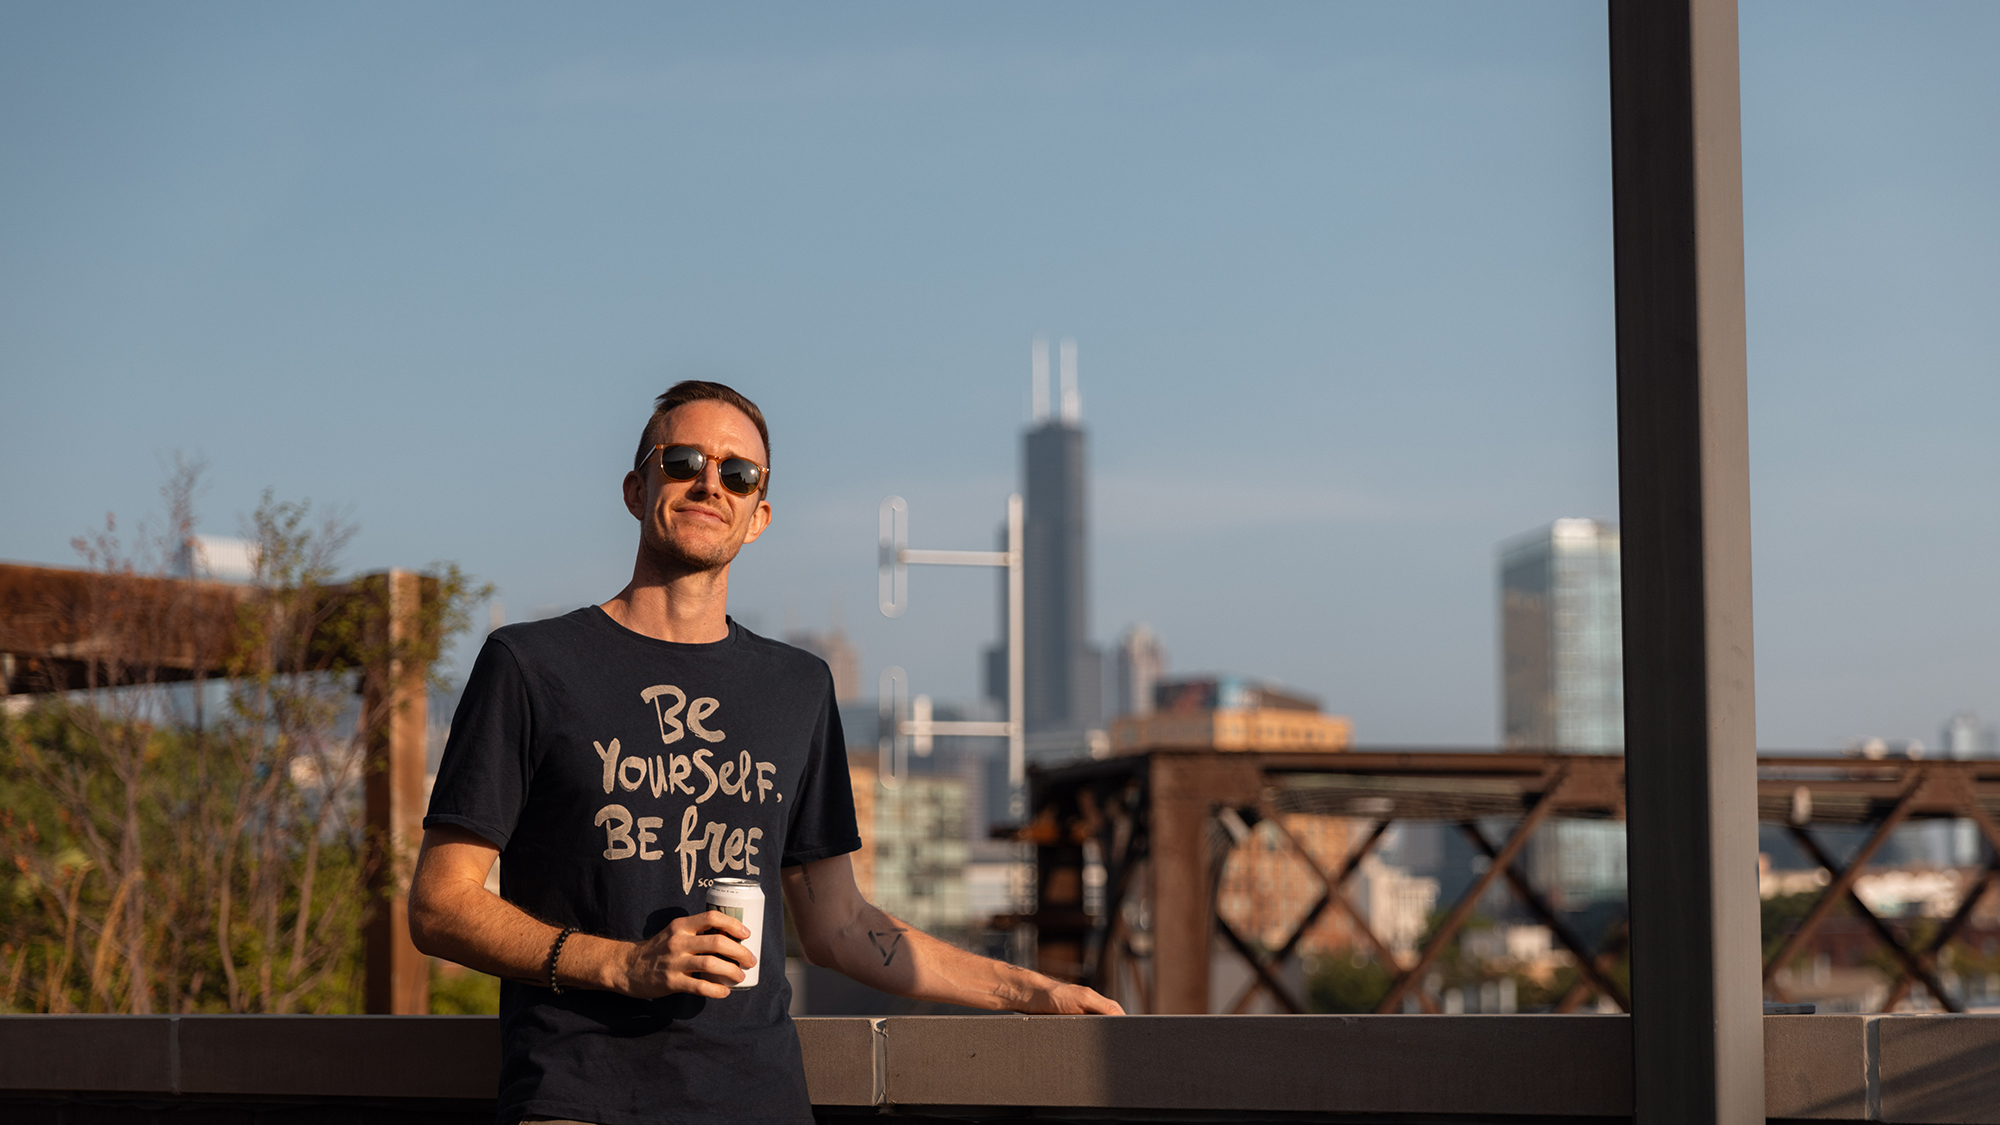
point(635, 495)
point(759, 520)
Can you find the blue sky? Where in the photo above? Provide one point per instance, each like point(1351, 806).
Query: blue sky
point(1339, 274)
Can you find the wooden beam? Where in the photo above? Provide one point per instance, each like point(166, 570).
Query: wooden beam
point(1186, 788)
point(395, 710)
point(73, 630)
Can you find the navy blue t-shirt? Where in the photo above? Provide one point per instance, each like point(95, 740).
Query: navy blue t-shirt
point(619, 775)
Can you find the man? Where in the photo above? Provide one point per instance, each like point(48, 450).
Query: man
point(620, 758)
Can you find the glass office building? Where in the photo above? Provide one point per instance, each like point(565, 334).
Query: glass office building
point(1562, 654)
point(1563, 684)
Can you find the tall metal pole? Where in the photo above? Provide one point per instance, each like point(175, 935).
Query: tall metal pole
point(892, 582)
point(1684, 503)
point(1017, 666)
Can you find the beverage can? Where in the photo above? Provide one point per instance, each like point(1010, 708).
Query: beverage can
point(743, 900)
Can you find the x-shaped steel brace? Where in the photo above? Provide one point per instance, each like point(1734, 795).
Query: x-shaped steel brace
point(1928, 954)
point(1986, 879)
point(1842, 885)
point(1518, 839)
point(1332, 893)
point(1614, 944)
point(1266, 978)
point(1913, 965)
point(1586, 962)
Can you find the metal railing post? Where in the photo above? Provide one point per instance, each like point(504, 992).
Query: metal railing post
point(1017, 666)
point(1684, 510)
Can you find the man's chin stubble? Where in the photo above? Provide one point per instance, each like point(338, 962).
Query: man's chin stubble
point(679, 557)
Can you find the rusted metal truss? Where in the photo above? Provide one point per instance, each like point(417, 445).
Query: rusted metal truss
point(1163, 860)
point(1888, 795)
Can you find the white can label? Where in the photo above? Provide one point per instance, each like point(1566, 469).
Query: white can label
point(752, 917)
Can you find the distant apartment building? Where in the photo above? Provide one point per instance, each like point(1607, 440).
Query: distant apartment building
point(914, 847)
point(841, 657)
point(1396, 904)
point(1142, 663)
point(1965, 736)
point(1229, 713)
point(1267, 888)
point(1562, 685)
point(218, 558)
point(1944, 843)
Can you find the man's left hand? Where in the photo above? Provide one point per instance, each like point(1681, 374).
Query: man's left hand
point(1059, 999)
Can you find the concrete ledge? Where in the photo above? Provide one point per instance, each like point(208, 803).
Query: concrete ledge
point(843, 1060)
point(100, 1054)
point(1580, 1065)
point(354, 1056)
point(1817, 1068)
point(1938, 1068)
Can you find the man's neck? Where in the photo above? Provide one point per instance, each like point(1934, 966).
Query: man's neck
point(687, 608)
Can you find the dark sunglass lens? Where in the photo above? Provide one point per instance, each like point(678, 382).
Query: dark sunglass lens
point(681, 462)
point(740, 476)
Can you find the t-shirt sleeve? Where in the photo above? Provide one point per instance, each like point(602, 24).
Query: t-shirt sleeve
point(823, 824)
point(482, 781)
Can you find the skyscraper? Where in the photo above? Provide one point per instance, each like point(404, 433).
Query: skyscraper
point(1562, 654)
point(1563, 684)
point(1964, 736)
point(1065, 672)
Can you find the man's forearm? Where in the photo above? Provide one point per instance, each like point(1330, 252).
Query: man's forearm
point(480, 930)
point(886, 954)
point(453, 915)
point(841, 930)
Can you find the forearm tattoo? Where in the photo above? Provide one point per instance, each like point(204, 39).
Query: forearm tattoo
point(888, 943)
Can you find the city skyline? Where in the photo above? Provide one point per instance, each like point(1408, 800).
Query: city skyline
point(350, 256)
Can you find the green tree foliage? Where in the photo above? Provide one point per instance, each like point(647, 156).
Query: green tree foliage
point(457, 991)
point(1340, 983)
point(163, 859)
point(1352, 981)
point(1781, 915)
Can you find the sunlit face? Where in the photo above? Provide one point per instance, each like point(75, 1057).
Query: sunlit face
point(698, 523)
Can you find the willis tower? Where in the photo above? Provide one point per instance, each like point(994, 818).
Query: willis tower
point(1065, 672)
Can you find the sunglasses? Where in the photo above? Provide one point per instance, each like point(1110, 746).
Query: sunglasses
point(684, 462)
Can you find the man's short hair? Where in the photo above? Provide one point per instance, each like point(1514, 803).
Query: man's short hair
point(699, 390)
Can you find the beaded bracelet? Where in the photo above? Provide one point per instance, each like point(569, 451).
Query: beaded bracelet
point(555, 954)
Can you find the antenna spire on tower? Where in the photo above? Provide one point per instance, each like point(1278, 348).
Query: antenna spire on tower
point(1040, 393)
point(1072, 401)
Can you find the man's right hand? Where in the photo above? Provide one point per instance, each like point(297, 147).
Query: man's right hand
point(709, 944)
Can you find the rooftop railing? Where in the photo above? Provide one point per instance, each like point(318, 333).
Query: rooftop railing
point(118, 1069)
